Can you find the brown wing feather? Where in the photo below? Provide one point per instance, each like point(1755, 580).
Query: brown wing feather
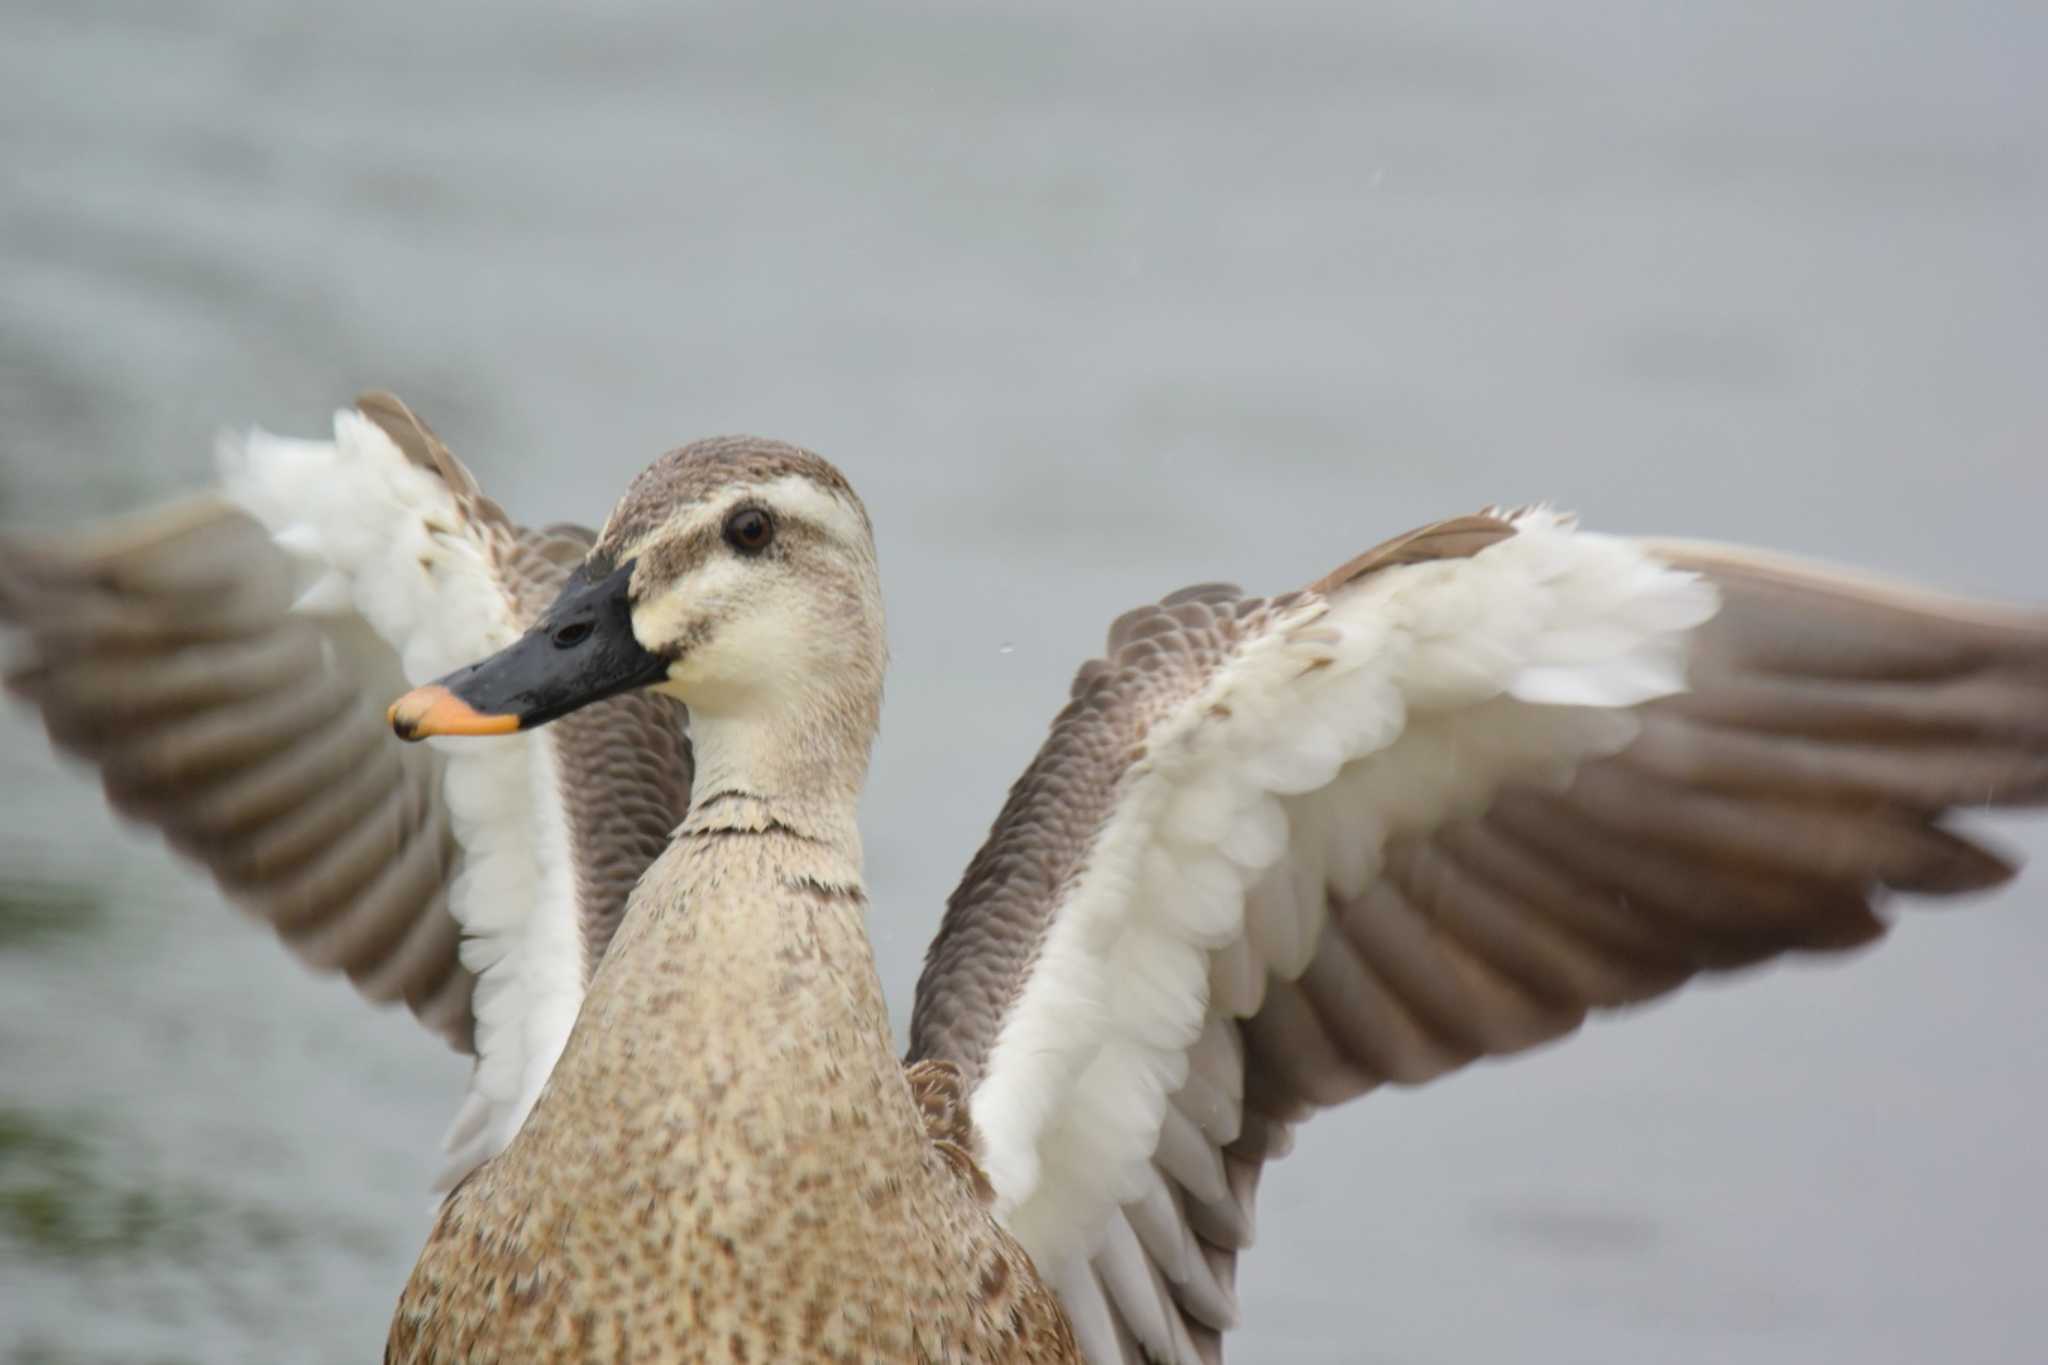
point(1833, 727)
point(997, 917)
point(625, 768)
point(1156, 657)
point(163, 650)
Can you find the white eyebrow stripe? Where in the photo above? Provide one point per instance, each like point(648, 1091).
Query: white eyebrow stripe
point(793, 495)
point(801, 496)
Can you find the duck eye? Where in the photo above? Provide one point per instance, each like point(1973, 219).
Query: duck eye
point(749, 530)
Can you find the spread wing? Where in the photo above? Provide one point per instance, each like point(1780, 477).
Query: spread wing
point(1437, 806)
point(225, 663)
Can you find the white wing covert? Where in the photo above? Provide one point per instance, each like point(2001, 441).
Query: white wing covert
point(1438, 805)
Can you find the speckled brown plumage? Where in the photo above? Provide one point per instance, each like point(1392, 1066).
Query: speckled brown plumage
point(940, 1093)
point(728, 1164)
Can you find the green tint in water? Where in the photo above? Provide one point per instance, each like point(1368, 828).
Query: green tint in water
point(35, 912)
point(37, 1351)
point(58, 1200)
point(63, 1197)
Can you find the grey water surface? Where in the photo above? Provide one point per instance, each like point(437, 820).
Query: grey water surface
point(1090, 301)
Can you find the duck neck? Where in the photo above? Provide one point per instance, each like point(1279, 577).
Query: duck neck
point(736, 1022)
point(802, 766)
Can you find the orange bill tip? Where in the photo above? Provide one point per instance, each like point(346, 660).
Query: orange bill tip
point(434, 710)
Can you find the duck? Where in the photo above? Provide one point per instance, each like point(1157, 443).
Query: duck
point(1442, 803)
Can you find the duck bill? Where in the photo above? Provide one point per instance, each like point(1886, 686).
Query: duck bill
point(582, 650)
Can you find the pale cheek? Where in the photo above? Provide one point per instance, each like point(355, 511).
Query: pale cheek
point(663, 622)
point(756, 650)
point(656, 623)
point(750, 652)
point(704, 678)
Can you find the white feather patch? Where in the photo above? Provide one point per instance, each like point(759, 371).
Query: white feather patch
point(1087, 1305)
point(378, 538)
point(1406, 700)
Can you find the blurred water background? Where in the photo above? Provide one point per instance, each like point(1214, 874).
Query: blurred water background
point(1090, 302)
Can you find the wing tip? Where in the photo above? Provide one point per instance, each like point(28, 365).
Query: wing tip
point(1747, 565)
